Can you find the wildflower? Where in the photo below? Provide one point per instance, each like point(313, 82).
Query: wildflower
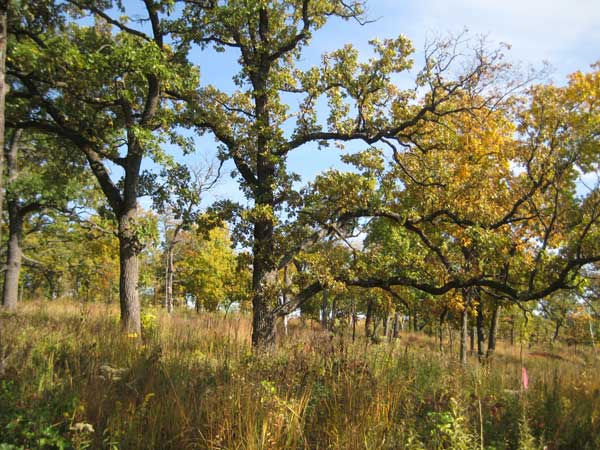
point(82, 427)
point(132, 335)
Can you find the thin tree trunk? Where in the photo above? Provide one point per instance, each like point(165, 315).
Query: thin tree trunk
point(472, 332)
point(557, 326)
point(451, 338)
point(480, 331)
point(464, 329)
point(415, 322)
point(386, 325)
point(512, 330)
point(333, 314)
point(494, 323)
point(14, 254)
point(441, 329)
point(353, 322)
point(396, 327)
point(324, 308)
point(369, 319)
point(14, 257)
point(463, 336)
point(169, 280)
point(3, 91)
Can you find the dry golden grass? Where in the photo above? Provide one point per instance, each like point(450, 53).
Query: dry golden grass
point(70, 379)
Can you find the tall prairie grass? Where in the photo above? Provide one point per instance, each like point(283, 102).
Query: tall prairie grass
point(70, 379)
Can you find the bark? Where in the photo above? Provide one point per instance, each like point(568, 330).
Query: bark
point(396, 327)
point(333, 314)
point(464, 329)
point(472, 332)
point(263, 285)
point(14, 257)
point(480, 331)
point(169, 280)
point(324, 308)
point(386, 325)
point(14, 254)
point(512, 330)
point(463, 336)
point(557, 326)
point(129, 249)
point(3, 90)
point(369, 319)
point(494, 323)
point(441, 329)
point(263, 325)
point(353, 322)
point(415, 322)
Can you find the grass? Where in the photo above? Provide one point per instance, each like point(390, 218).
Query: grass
point(70, 379)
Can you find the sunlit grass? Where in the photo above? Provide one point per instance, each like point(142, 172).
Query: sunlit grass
point(71, 379)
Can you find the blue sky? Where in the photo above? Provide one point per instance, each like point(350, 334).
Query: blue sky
point(564, 34)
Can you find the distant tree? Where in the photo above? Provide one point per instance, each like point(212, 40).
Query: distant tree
point(42, 179)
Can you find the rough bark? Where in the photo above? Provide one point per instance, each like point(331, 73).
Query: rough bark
point(3, 91)
point(14, 256)
point(129, 274)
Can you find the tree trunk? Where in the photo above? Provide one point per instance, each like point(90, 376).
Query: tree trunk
point(324, 308)
point(3, 91)
point(494, 322)
point(14, 253)
point(263, 325)
point(464, 329)
point(386, 325)
point(129, 274)
point(169, 280)
point(512, 330)
point(557, 326)
point(472, 332)
point(14, 257)
point(441, 329)
point(396, 327)
point(333, 314)
point(265, 293)
point(369, 319)
point(415, 322)
point(480, 331)
point(353, 321)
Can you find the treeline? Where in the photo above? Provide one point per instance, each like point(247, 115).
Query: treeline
point(475, 192)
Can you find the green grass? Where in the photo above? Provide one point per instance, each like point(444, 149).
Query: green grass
point(70, 379)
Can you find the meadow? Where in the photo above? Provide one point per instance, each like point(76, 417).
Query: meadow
point(70, 379)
